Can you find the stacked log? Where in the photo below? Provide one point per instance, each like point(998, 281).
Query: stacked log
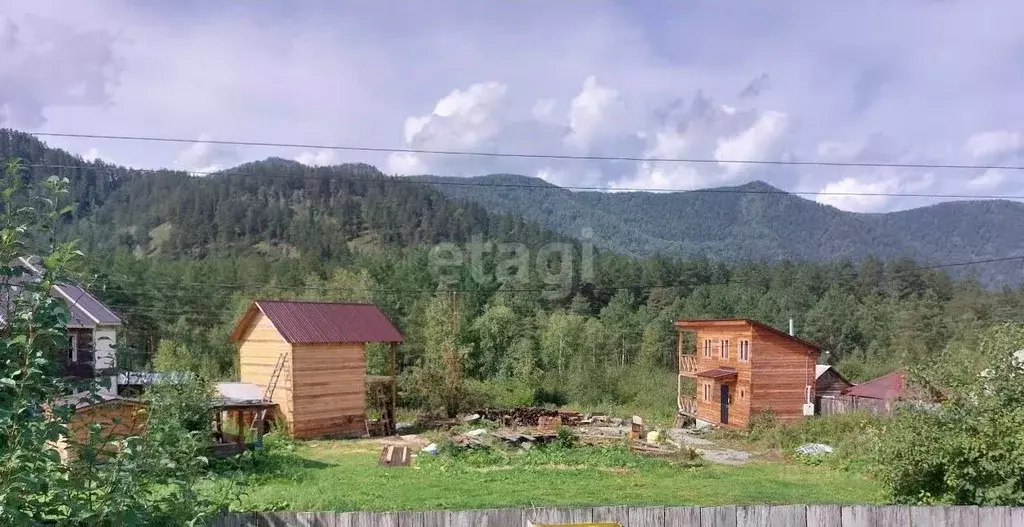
point(530, 416)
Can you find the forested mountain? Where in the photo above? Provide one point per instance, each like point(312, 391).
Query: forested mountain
point(274, 207)
point(756, 221)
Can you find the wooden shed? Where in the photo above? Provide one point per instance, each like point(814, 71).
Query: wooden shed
point(743, 367)
point(829, 385)
point(117, 417)
point(320, 350)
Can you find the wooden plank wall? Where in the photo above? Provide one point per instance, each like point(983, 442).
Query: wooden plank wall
point(727, 516)
point(261, 347)
point(329, 390)
point(782, 369)
point(739, 392)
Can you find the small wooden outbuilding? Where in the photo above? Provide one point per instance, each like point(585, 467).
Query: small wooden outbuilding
point(117, 417)
point(319, 349)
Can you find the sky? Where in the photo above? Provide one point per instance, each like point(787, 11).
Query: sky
point(934, 82)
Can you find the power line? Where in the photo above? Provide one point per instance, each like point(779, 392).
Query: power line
point(419, 181)
point(858, 164)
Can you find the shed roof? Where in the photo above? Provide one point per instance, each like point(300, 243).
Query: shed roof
point(887, 387)
point(309, 322)
point(719, 322)
point(820, 370)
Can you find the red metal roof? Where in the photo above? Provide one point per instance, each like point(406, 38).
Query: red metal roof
point(887, 387)
point(718, 373)
point(309, 322)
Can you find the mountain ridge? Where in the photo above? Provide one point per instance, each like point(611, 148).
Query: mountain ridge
point(757, 221)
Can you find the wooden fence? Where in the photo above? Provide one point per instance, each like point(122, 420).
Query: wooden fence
point(729, 516)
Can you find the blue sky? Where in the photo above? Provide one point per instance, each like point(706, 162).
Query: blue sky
point(907, 82)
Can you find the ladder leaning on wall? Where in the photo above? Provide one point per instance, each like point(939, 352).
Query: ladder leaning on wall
point(268, 393)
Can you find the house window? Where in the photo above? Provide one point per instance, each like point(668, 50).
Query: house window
point(707, 392)
point(725, 349)
point(73, 347)
point(707, 347)
point(744, 350)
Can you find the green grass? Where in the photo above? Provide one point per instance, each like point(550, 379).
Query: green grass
point(343, 475)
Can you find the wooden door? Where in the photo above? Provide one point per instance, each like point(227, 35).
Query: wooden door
point(725, 404)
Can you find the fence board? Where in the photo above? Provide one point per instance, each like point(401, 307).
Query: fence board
point(371, 519)
point(771, 515)
point(964, 516)
point(424, 519)
point(824, 515)
point(646, 517)
point(618, 515)
point(894, 516)
point(560, 515)
point(718, 516)
point(996, 517)
point(488, 518)
point(682, 517)
point(859, 516)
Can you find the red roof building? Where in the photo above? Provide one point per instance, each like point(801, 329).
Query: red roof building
point(309, 358)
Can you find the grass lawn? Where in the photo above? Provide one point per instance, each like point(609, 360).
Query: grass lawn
point(343, 475)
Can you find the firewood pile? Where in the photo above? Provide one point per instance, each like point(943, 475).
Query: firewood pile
point(531, 416)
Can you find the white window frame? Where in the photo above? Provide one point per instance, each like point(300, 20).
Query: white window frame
point(725, 349)
point(744, 350)
point(707, 347)
point(73, 352)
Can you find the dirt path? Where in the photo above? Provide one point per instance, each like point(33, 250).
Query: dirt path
point(707, 449)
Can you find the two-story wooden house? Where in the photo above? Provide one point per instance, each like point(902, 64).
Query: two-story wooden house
point(743, 367)
point(92, 328)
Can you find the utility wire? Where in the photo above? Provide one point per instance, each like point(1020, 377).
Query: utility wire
point(860, 164)
point(420, 181)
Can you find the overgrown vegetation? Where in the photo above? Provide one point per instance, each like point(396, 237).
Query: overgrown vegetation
point(970, 450)
point(146, 479)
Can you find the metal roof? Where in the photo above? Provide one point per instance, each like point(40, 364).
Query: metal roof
point(85, 310)
point(309, 322)
point(886, 387)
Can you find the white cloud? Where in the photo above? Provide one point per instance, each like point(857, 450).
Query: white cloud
point(92, 154)
point(994, 143)
point(591, 114)
point(204, 157)
point(990, 179)
point(754, 143)
point(863, 195)
point(317, 158)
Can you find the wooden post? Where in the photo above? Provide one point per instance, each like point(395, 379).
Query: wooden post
point(394, 390)
point(240, 424)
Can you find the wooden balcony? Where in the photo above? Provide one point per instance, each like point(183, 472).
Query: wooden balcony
point(688, 365)
point(687, 404)
point(76, 370)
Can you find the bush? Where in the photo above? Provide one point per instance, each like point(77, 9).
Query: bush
point(970, 450)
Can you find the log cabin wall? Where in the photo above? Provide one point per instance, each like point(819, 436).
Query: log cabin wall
point(329, 395)
point(783, 368)
point(260, 348)
point(739, 389)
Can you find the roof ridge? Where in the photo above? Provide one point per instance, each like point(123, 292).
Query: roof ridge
point(327, 302)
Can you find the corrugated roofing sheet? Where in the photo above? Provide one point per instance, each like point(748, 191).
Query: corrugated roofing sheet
point(886, 388)
point(307, 322)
